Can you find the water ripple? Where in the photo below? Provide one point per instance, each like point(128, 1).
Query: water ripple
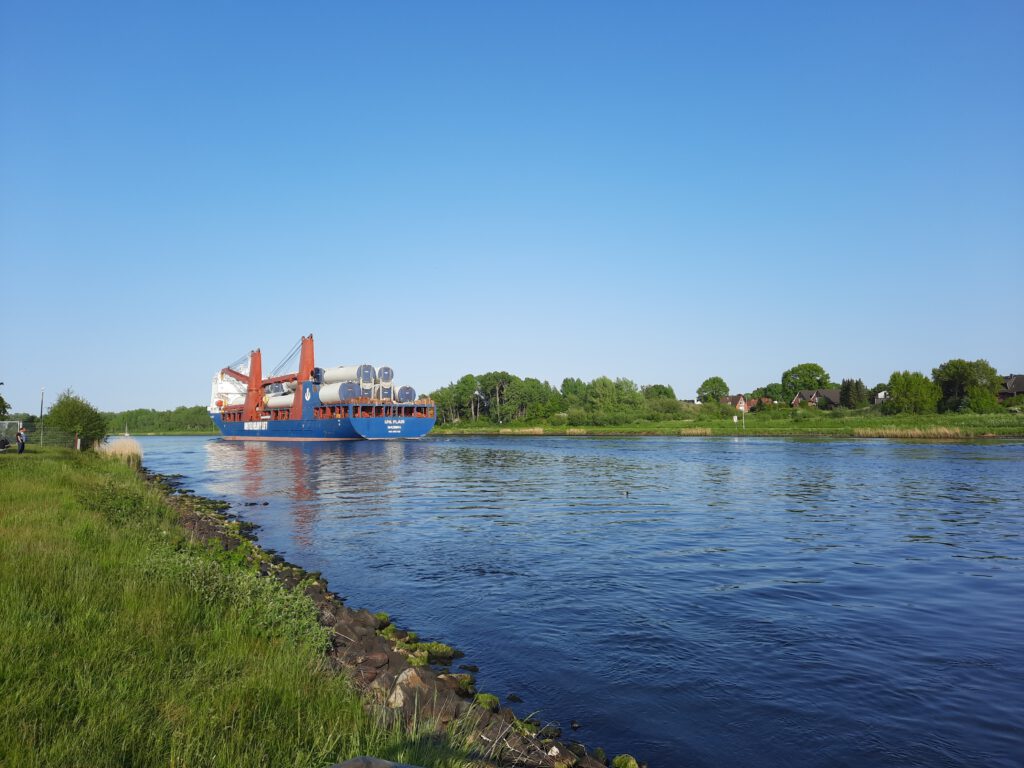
point(701, 602)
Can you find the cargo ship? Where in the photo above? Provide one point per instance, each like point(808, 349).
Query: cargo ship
point(348, 402)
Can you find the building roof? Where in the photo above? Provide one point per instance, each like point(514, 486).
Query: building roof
point(1012, 385)
point(814, 395)
point(832, 395)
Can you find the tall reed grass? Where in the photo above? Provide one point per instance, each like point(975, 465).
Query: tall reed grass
point(124, 448)
point(940, 433)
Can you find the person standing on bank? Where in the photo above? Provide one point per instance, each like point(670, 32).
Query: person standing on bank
point(21, 440)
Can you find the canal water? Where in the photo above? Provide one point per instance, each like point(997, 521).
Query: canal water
point(696, 602)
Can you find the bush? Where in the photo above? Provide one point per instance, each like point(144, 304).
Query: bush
point(663, 409)
point(74, 415)
point(911, 392)
point(609, 418)
point(772, 412)
point(577, 417)
point(979, 400)
point(715, 411)
point(965, 385)
point(1014, 403)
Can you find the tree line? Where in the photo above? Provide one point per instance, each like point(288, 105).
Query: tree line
point(73, 415)
point(184, 418)
point(501, 397)
point(960, 386)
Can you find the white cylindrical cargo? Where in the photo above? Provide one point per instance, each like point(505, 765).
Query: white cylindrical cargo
point(364, 374)
point(341, 373)
point(279, 401)
point(339, 392)
point(385, 374)
point(406, 394)
point(367, 374)
point(387, 392)
point(331, 393)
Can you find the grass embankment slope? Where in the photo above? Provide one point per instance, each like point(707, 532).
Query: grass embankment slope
point(798, 422)
point(123, 642)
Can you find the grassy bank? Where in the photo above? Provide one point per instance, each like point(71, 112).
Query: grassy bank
point(796, 422)
point(124, 642)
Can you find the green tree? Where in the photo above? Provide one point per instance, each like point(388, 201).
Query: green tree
point(4, 407)
point(660, 402)
point(468, 398)
point(184, 418)
point(853, 394)
point(494, 388)
point(444, 398)
point(861, 399)
point(628, 396)
point(804, 376)
point(911, 392)
point(530, 399)
point(74, 415)
point(657, 392)
point(959, 378)
point(980, 400)
point(575, 392)
point(772, 391)
point(601, 394)
point(712, 390)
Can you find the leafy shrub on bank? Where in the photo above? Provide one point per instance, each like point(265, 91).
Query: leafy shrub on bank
point(74, 415)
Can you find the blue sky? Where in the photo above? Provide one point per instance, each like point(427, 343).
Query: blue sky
point(659, 191)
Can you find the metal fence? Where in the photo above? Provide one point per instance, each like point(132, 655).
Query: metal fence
point(9, 432)
point(36, 433)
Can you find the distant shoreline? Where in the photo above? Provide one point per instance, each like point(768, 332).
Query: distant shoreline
point(894, 434)
point(917, 429)
point(802, 423)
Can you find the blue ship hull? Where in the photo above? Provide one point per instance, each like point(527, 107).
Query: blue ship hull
point(395, 422)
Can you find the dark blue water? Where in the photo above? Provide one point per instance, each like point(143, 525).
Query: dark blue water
point(705, 602)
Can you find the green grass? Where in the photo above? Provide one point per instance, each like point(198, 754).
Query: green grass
point(794, 422)
point(122, 642)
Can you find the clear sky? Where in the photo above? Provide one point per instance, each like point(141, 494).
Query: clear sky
point(658, 191)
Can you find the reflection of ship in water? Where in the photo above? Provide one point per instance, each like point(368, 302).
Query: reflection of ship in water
point(306, 481)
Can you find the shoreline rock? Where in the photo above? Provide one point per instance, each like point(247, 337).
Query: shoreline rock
point(390, 669)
